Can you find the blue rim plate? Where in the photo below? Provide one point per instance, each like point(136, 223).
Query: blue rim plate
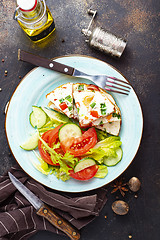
point(32, 91)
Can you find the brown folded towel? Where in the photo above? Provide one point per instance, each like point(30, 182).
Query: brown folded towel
point(18, 219)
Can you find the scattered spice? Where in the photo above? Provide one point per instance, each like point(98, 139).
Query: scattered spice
point(138, 18)
point(105, 217)
point(20, 77)
point(5, 73)
point(120, 207)
point(134, 184)
point(119, 185)
point(2, 59)
point(63, 40)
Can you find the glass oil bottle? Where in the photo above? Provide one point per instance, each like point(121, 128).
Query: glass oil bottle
point(35, 18)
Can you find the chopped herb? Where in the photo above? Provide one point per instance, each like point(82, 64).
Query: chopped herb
point(102, 105)
point(69, 98)
point(70, 108)
point(80, 87)
point(93, 105)
point(103, 111)
point(78, 110)
point(61, 100)
point(116, 115)
point(101, 122)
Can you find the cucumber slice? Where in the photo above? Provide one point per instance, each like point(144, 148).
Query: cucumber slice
point(53, 115)
point(84, 163)
point(37, 117)
point(69, 130)
point(31, 143)
point(112, 161)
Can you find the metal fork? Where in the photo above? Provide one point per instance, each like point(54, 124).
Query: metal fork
point(111, 84)
point(108, 83)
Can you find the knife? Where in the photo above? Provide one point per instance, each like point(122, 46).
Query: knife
point(44, 211)
point(48, 63)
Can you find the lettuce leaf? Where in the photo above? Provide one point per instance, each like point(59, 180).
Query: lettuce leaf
point(99, 153)
point(42, 166)
point(104, 148)
point(66, 161)
point(49, 125)
point(101, 134)
point(107, 142)
point(58, 172)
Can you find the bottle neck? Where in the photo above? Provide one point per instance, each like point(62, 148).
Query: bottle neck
point(31, 17)
point(34, 12)
point(30, 9)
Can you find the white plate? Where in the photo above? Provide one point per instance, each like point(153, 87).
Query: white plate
point(32, 91)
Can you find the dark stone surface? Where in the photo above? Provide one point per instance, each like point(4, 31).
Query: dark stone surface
point(138, 22)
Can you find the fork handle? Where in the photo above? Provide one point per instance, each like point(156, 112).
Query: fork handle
point(44, 62)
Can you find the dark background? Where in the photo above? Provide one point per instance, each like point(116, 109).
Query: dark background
point(138, 22)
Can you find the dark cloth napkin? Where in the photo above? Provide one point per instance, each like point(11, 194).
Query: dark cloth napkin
point(18, 219)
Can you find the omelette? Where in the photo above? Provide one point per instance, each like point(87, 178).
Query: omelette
point(62, 99)
point(88, 104)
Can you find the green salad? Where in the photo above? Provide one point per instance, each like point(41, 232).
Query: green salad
point(64, 149)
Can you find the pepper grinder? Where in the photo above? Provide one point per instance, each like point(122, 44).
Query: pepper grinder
point(104, 40)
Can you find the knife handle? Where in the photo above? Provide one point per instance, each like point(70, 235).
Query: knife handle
point(44, 62)
point(58, 222)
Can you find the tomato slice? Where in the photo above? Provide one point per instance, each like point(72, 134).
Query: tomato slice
point(84, 174)
point(50, 137)
point(94, 113)
point(81, 145)
point(93, 87)
point(63, 105)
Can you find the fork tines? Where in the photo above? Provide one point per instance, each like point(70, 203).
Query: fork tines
point(113, 83)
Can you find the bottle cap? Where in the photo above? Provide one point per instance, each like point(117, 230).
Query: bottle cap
point(27, 5)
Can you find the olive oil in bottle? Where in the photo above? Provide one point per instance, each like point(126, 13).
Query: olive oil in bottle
point(35, 18)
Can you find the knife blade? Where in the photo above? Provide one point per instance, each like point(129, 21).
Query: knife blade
point(44, 211)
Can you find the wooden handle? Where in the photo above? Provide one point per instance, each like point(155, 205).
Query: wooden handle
point(44, 62)
point(58, 222)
